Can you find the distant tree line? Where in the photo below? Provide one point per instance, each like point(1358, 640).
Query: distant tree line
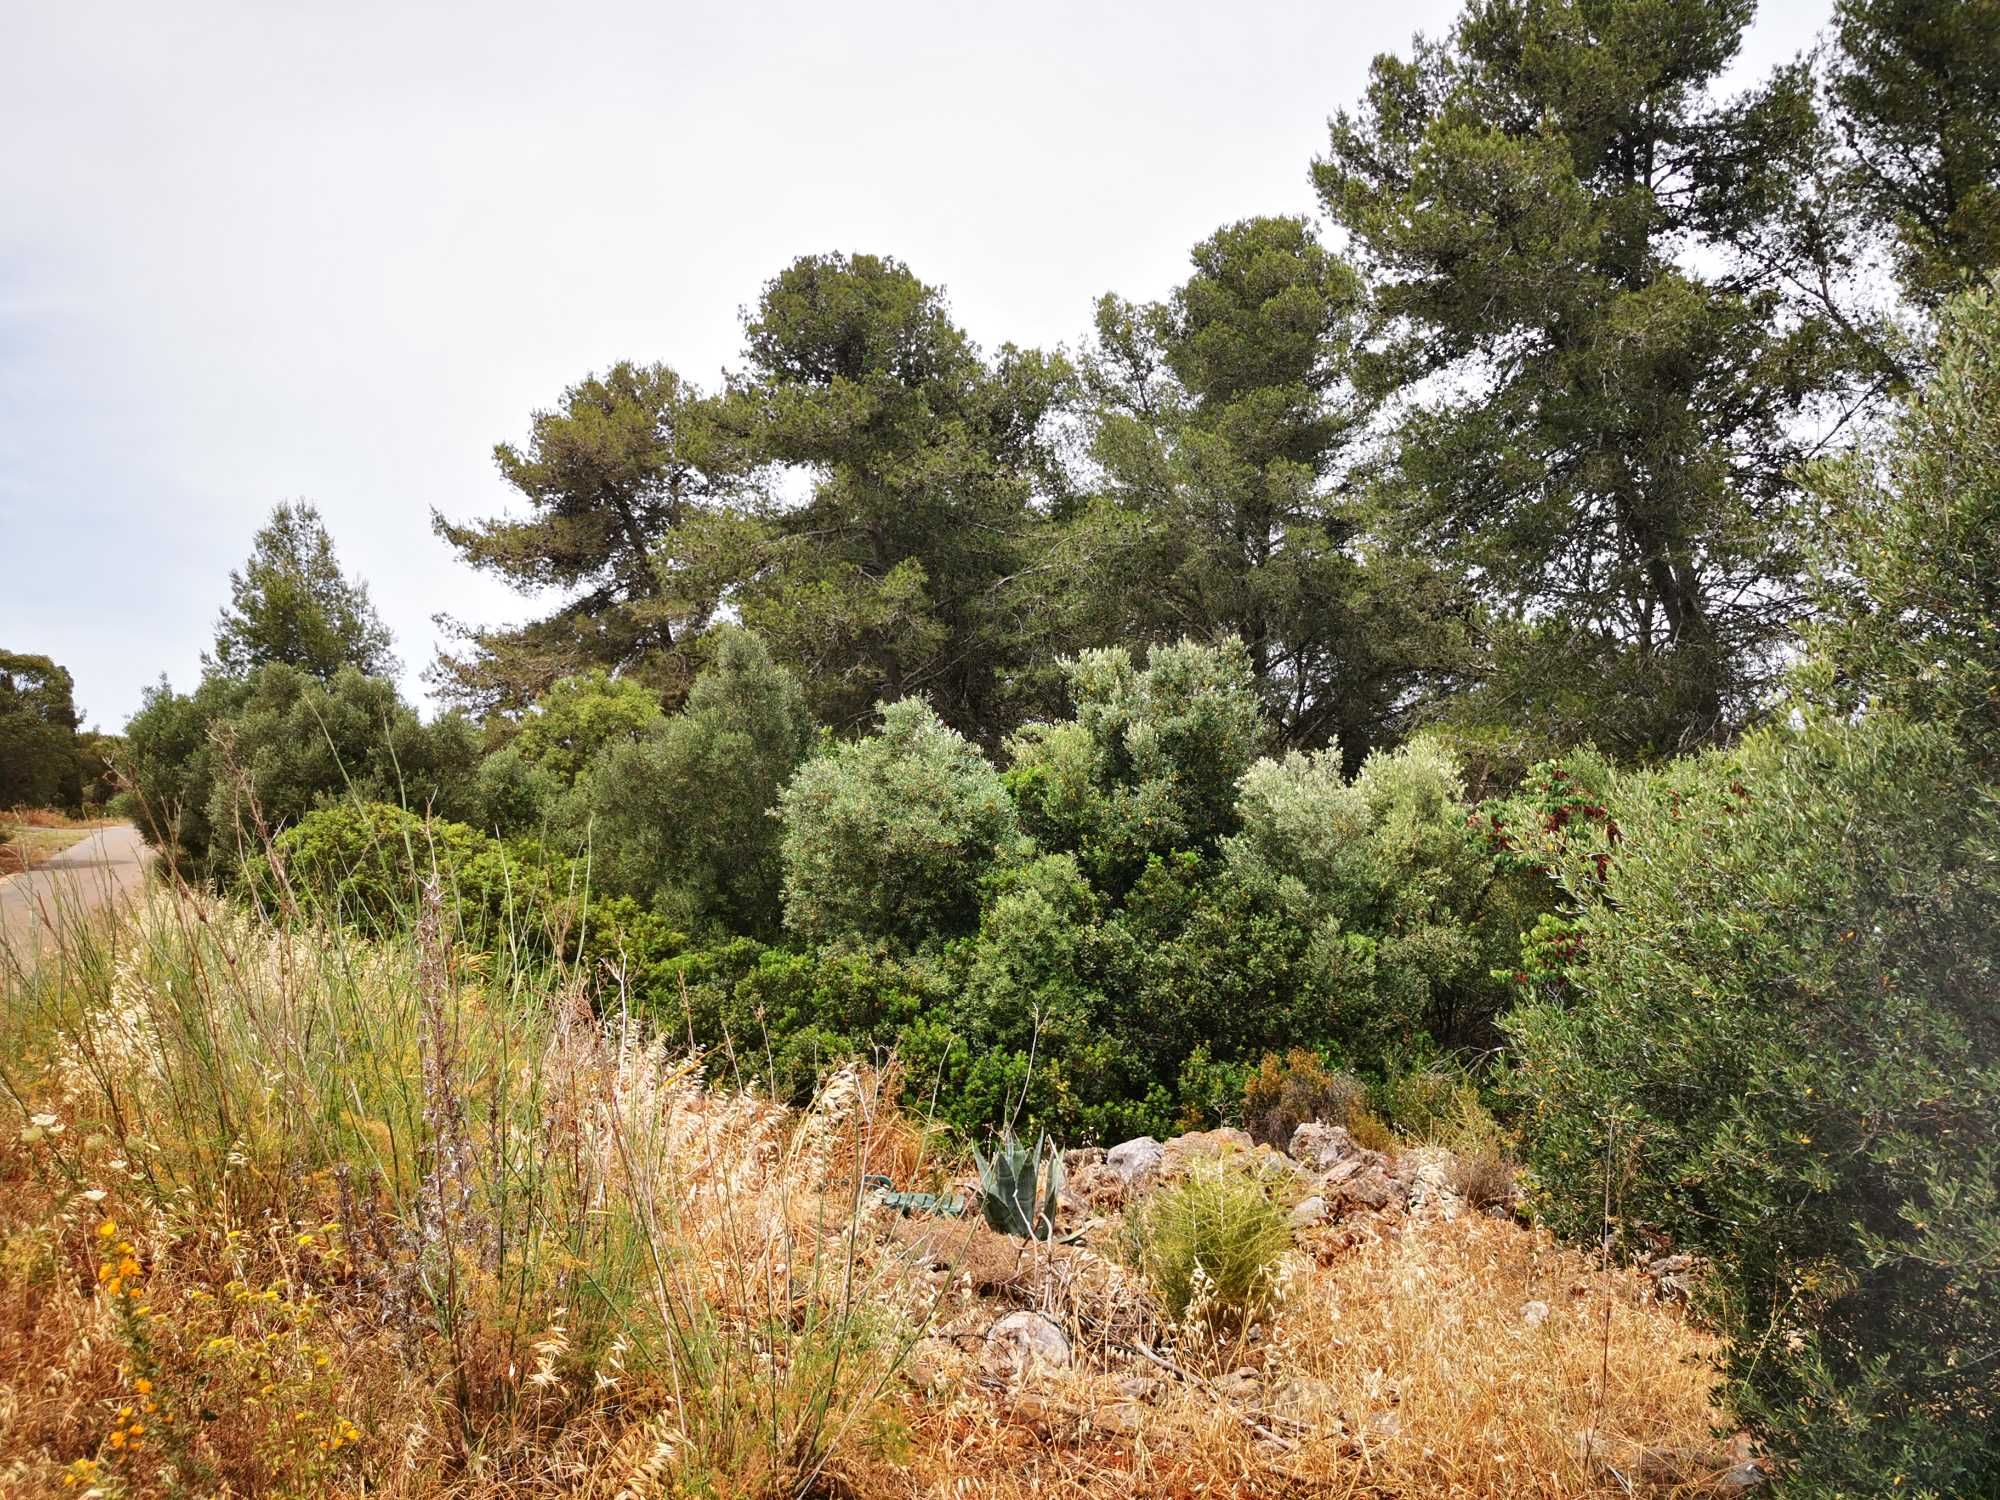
point(47, 759)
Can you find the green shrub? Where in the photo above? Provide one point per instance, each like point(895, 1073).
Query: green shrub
point(365, 865)
point(1209, 1242)
point(784, 1019)
point(579, 716)
point(211, 766)
point(511, 795)
point(1148, 766)
point(886, 839)
point(1909, 617)
point(1424, 1101)
point(681, 817)
point(1770, 1020)
point(1396, 897)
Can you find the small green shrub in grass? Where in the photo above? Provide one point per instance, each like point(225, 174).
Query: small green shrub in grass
point(1210, 1242)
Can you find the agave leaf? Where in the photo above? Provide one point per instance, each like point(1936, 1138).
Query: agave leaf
point(1019, 1188)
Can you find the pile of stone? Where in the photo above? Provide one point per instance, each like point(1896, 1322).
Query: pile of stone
point(1336, 1175)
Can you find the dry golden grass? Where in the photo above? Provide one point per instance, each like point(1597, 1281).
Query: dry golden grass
point(279, 1216)
point(33, 844)
point(49, 817)
point(1401, 1365)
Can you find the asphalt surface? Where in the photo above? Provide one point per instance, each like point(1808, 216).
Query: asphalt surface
point(107, 866)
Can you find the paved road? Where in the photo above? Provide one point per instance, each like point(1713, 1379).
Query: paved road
point(108, 865)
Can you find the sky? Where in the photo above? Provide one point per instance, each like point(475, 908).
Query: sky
point(259, 252)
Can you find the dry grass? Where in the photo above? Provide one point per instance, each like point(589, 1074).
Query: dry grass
point(1400, 1363)
point(284, 1214)
point(31, 835)
point(49, 817)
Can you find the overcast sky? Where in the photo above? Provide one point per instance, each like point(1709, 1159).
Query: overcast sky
point(338, 250)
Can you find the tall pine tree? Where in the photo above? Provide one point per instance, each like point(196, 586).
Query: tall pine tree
point(636, 512)
point(1226, 431)
point(1591, 272)
point(292, 604)
point(920, 462)
point(1918, 86)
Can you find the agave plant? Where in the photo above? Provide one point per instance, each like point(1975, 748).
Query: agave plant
point(1019, 1188)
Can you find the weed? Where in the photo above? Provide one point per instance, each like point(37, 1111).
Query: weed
point(1210, 1242)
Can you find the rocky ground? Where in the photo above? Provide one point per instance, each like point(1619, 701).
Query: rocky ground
point(1419, 1345)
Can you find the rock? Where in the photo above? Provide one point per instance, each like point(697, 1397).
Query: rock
point(1739, 1477)
point(931, 1364)
point(1021, 1343)
point(1744, 1472)
point(1085, 1181)
point(1424, 1173)
point(967, 1248)
point(1136, 1162)
point(1205, 1145)
point(1301, 1398)
point(1183, 1151)
point(1534, 1314)
point(1673, 1275)
point(1731, 1471)
point(1309, 1212)
point(1321, 1147)
point(1348, 1174)
point(1120, 1416)
point(1371, 1189)
point(1240, 1386)
point(1098, 1185)
point(1137, 1388)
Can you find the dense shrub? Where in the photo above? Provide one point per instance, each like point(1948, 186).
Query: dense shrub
point(1287, 1092)
point(886, 839)
point(1909, 558)
point(1405, 913)
point(366, 864)
point(681, 817)
point(524, 785)
point(216, 769)
point(511, 794)
point(1769, 1017)
point(1114, 1019)
point(785, 1019)
point(578, 716)
point(1149, 763)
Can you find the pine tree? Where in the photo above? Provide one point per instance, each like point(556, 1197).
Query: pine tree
point(1918, 85)
point(1226, 429)
point(1588, 269)
point(292, 604)
point(637, 499)
point(890, 579)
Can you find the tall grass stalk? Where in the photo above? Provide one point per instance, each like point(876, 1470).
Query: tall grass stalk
point(551, 1207)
